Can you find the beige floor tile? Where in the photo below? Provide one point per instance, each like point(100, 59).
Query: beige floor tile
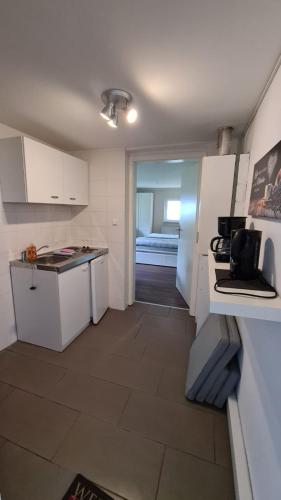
point(118, 460)
point(25, 476)
point(130, 348)
point(179, 313)
point(172, 388)
point(91, 395)
point(75, 357)
point(164, 324)
point(101, 342)
point(180, 427)
point(35, 423)
point(174, 355)
point(185, 477)
point(137, 375)
point(5, 390)
point(222, 445)
point(28, 374)
point(172, 385)
point(142, 308)
point(118, 322)
point(149, 333)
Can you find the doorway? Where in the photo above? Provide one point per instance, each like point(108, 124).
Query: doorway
point(165, 227)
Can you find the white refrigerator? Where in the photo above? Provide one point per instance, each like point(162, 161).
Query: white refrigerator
point(99, 285)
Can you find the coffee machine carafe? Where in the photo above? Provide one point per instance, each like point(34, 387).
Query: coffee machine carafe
point(220, 245)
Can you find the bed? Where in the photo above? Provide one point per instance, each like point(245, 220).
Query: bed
point(157, 249)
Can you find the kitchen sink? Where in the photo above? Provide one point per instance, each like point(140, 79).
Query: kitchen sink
point(51, 259)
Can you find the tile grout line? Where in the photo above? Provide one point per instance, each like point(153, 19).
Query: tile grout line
point(160, 472)
point(78, 414)
point(124, 409)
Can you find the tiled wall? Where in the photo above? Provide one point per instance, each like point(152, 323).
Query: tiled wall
point(21, 225)
point(102, 223)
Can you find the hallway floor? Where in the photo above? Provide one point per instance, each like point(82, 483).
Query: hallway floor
point(157, 285)
point(111, 407)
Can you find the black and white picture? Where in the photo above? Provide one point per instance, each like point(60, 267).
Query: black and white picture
point(265, 200)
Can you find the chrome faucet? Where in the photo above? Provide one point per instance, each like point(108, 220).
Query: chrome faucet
point(41, 248)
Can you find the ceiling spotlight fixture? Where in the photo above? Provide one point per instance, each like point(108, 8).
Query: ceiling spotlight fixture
point(116, 100)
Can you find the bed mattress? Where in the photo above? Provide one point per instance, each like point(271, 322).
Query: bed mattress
point(157, 241)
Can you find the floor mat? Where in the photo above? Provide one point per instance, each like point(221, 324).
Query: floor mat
point(82, 488)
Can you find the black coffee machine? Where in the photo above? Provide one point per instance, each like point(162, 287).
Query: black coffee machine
point(245, 252)
point(220, 245)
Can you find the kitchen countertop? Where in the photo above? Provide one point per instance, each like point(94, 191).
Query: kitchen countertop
point(67, 262)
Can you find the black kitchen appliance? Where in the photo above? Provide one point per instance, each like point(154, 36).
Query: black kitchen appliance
point(245, 252)
point(220, 245)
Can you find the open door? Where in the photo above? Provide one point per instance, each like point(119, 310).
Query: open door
point(189, 194)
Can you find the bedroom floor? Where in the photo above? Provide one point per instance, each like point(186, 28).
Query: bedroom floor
point(111, 407)
point(157, 285)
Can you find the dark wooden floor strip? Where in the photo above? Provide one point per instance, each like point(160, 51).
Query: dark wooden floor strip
point(157, 284)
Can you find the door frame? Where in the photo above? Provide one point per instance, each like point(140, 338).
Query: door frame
point(171, 153)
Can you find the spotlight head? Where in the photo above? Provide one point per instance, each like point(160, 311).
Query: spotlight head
point(113, 122)
point(132, 115)
point(104, 113)
point(108, 111)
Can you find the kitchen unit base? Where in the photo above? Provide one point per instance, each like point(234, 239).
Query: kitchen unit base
point(51, 309)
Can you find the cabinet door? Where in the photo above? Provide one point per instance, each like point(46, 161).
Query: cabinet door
point(74, 293)
point(75, 179)
point(44, 172)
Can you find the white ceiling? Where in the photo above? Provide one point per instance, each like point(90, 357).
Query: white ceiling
point(162, 174)
point(191, 66)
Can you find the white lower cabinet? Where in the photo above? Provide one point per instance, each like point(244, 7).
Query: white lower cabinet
point(51, 309)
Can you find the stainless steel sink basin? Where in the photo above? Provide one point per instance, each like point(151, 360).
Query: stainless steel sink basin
point(51, 259)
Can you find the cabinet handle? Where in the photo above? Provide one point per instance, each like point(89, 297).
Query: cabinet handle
point(72, 198)
point(54, 197)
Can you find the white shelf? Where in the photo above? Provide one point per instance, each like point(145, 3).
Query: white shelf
point(235, 305)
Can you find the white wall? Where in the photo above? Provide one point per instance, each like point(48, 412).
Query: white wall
point(20, 225)
point(259, 395)
point(103, 222)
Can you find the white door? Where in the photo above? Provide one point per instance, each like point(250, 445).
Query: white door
point(189, 189)
point(144, 213)
point(75, 180)
point(215, 200)
point(75, 304)
point(44, 172)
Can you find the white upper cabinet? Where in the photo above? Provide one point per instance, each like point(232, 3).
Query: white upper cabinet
point(75, 180)
point(33, 172)
point(44, 173)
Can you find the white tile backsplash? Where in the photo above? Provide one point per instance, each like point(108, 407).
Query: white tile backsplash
point(102, 223)
point(20, 225)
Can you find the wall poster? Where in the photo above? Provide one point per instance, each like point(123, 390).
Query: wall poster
point(265, 199)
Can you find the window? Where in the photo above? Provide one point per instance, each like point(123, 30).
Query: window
point(172, 211)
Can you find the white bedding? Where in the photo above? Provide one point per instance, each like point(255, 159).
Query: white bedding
point(162, 235)
point(157, 240)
